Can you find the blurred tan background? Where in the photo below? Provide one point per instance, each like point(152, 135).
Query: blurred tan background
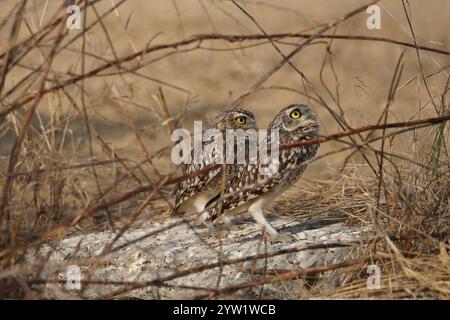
point(206, 80)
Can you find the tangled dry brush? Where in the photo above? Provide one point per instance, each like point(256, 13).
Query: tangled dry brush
point(86, 116)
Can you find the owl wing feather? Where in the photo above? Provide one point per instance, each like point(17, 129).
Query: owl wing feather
point(187, 188)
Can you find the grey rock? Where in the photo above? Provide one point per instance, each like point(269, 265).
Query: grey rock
point(185, 248)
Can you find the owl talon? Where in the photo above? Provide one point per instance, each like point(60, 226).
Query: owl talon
point(281, 237)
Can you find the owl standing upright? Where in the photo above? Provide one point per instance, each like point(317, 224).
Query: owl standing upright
point(195, 192)
point(252, 190)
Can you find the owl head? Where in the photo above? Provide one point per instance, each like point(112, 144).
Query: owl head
point(296, 119)
point(236, 118)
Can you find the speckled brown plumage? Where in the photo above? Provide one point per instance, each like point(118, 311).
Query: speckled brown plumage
point(196, 191)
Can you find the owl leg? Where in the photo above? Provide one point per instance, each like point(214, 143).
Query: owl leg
point(199, 206)
point(210, 224)
point(258, 215)
point(203, 216)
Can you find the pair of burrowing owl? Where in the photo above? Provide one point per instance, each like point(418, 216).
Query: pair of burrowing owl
point(248, 187)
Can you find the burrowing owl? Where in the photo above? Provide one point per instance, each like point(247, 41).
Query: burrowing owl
point(249, 190)
point(196, 191)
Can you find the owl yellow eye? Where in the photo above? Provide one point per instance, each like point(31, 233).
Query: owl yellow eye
point(241, 120)
point(295, 114)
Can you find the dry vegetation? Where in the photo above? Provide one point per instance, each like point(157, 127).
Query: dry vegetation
point(86, 114)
